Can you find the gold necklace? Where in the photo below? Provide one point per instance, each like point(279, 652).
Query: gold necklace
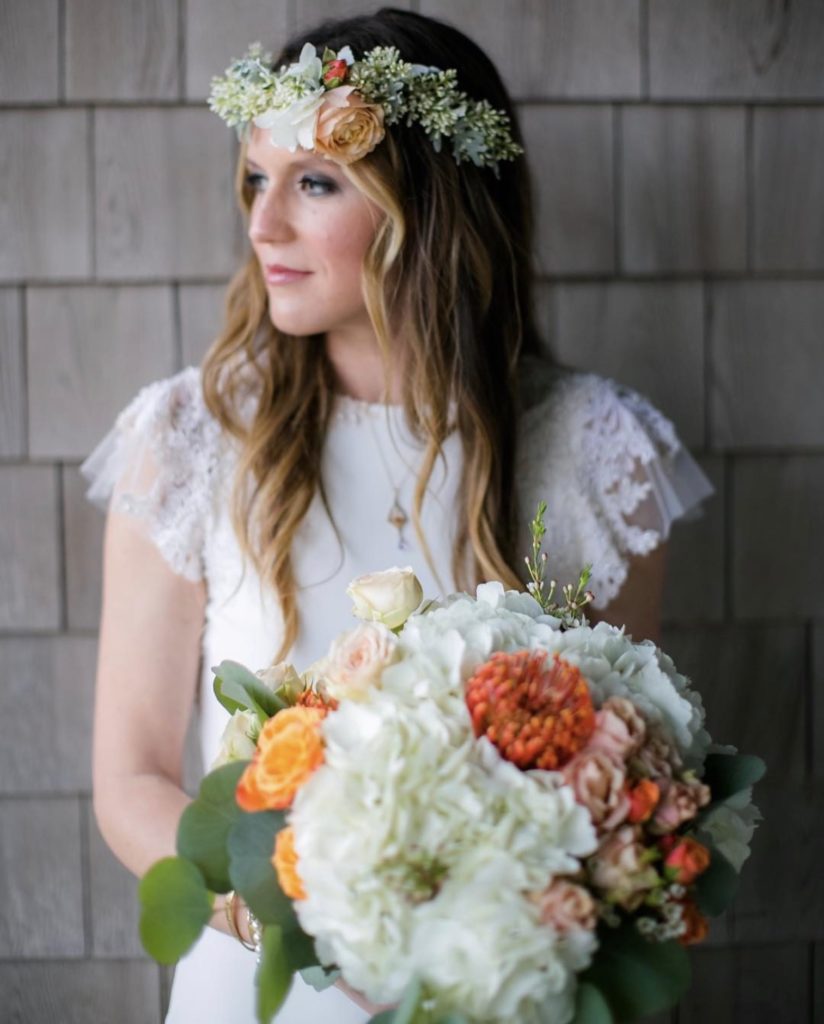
point(397, 515)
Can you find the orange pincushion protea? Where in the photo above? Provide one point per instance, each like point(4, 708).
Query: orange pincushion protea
point(537, 716)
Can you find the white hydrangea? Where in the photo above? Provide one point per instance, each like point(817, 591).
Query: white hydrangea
point(417, 843)
point(417, 848)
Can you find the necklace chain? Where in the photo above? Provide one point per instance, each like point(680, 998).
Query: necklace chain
point(397, 515)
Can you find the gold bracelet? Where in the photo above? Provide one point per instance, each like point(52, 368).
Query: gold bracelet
point(231, 919)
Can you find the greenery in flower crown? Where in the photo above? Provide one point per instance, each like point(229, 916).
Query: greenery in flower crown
point(412, 93)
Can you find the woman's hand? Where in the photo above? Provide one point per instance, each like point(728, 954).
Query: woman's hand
point(361, 999)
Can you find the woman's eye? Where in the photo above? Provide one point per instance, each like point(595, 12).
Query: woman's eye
point(253, 181)
point(322, 183)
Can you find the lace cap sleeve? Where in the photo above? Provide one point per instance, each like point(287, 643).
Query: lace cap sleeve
point(637, 476)
point(613, 471)
point(157, 463)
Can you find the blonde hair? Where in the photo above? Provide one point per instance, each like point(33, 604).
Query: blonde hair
point(446, 283)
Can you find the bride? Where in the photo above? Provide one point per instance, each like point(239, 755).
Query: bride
point(378, 395)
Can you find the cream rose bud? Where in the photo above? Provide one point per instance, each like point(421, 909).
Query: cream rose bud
point(239, 739)
point(357, 658)
point(281, 677)
point(388, 597)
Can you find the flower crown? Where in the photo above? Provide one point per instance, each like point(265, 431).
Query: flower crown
point(340, 107)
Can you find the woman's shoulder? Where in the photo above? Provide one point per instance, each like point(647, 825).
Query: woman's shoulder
point(159, 462)
point(581, 412)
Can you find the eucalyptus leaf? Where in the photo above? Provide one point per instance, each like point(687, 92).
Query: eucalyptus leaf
point(203, 831)
point(319, 977)
point(239, 689)
point(590, 1006)
point(637, 977)
point(410, 1003)
point(175, 908)
point(274, 976)
point(728, 774)
point(251, 846)
point(716, 887)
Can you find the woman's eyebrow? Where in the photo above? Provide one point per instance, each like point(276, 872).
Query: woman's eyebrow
point(300, 162)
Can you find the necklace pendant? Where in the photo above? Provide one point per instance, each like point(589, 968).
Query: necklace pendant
point(398, 518)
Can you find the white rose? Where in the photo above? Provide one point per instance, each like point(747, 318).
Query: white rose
point(239, 739)
point(356, 660)
point(281, 678)
point(295, 125)
point(389, 597)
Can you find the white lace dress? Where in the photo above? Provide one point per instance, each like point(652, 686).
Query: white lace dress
point(610, 466)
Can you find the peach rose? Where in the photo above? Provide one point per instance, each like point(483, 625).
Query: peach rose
point(679, 803)
point(656, 758)
point(598, 781)
point(285, 862)
point(356, 660)
point(619, 729)
point(620, 867)
point(347, 128)
point(565, 906)
point(289, 749)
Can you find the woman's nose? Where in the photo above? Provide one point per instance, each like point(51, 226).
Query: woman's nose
point(269, 219)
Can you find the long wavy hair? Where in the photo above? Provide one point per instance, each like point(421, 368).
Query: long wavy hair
point(449, 270)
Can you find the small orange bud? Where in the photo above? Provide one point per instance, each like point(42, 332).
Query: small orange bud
point(642, 800)
point(697, 926)
point(686, 861)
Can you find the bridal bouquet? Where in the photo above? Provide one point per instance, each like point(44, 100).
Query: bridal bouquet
point(480, 809)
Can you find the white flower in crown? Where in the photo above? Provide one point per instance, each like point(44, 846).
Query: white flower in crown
point(294, 126)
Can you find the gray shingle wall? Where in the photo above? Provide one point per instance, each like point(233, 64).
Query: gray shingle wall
point(678, 152)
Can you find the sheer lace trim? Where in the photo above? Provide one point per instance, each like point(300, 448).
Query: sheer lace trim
point(616, 472)
point(159, 464)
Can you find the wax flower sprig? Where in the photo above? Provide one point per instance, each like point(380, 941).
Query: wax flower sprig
point(571, 611)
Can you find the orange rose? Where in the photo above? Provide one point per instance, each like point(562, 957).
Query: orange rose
point(289, 749)
point(285, 861)
point(696, 923)
point(686, 860)
point(347, 127)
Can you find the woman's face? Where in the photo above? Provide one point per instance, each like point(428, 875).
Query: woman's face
point(308, 216)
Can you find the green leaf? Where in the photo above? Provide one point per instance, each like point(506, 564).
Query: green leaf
point(384, 1017)
point(590, 1006)
point(716, 887)
point(635, 976)
point(728, 774)
point(238, 689)
point(319, 977)
point(175, 908)
point(274, 976)
point(203, 831)
point(453, 1018)
point(409, 1005)
point(251, 846)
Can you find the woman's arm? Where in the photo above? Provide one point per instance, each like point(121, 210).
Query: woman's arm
point(147, 671)
point(638, 603)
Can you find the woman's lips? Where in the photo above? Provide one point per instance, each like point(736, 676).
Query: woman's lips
point(276, 274)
